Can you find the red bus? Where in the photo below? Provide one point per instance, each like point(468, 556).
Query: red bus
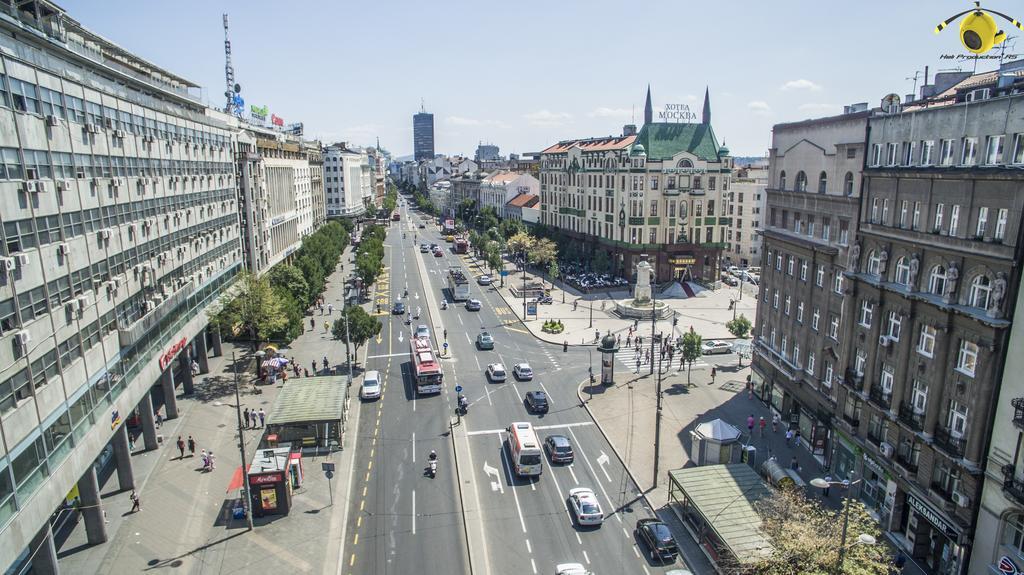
point(395, 216)
point(426, 370)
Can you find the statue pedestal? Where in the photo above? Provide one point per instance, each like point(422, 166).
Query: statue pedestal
point(642, 294)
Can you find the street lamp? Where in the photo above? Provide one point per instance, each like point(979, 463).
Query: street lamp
point(863, 538)
point(247, 499)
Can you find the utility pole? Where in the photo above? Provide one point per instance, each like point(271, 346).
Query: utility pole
point(247, 498)
point(591, 312)
point(348, 356)
point(654, 318)
point(657, 427)
point(524, 285)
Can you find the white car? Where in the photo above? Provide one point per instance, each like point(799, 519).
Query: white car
point(522, 371)
point(370, 388)
point(484, 280)
point(716, 346)
point(571, 569)
point(422, 331)
point(585, 506)
point(496, 372)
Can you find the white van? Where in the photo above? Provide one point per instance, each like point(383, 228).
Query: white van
point(371, 385)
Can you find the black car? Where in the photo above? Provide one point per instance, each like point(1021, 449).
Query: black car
point(398, 308)
point(537, 401)
point(558, 448)
point(658, 539)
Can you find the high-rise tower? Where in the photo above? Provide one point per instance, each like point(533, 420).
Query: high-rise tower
point(423, 135)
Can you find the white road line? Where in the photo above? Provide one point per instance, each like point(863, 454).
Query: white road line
point(586, 557)
point(414, 512)
point(534, 565)
point(626, 533)
point(469, 341)
point(536, 427)
point(508, 471)
point(565, 504)
point(528, 548)
point(594, 473)
point(635, 552)
point(551, 400)
point(414, 447)
point(573, 473)
point(578, 539)
point(387, 355)
point(460, 320)
point(477, 360)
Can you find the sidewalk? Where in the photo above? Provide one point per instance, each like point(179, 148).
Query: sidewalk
point(185, 518)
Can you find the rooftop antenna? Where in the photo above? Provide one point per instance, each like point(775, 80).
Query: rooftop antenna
point(914, 78)
point(234, 102)
point(423, 107)
point(1003, 47)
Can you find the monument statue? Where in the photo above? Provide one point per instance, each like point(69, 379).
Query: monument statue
point(915, 267)
point(642, 291)
point(883, 262)
point(854, 257)
point(998, 294)
point(952, 275)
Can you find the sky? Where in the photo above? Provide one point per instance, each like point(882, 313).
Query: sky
point(524, 75)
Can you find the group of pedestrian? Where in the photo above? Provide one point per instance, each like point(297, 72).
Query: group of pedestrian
point(208, 461)
point(191, 443)
point(250, 418)
point(321, 307)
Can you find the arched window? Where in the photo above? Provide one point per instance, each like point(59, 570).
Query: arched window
point(937, 280)
point(848, 184)
point(874, 263)
point(801, 181)
point(822, 182)
point(1013, 532)
point(609, 164)
point(782, 180)
point(981, 291)
point(684, 163)
point(903, 272)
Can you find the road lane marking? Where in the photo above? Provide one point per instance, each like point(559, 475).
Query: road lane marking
point(573, 473)
point(364, 490)
point(528, 548)
point(414, 512)
point(516, 329)
point(578, 539)
point(534, 565)
point(536, 427)
point(355, 541)
point(352, 560)
point(359, 522)
point(460, 320)
point(414, 447)
point(511, 481)
point(586, 557)
point(551, 400)
point(594, 473)
point(387, 355)
point(362, 504)
point(602, 460)
point(635, 552)
point(495, 485)
point(469, 341)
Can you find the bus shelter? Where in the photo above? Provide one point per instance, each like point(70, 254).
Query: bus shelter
point(716, 503)
point(308, 411)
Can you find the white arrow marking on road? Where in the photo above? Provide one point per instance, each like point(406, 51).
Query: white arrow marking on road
point(399, 337)
point(417, 295)
point(495, 485)
point(601, 461)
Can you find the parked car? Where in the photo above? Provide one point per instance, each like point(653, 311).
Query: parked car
point(398, 308)
point(496, 372)
point(473, 305)
point(716, 346)
point(422, 331)
point(522, 371)
point(658, 538)
point(484, 340)
point(536, 402)
point(585, 507)
point(730, 280)
point(370, 388)
point(559, 449)
point(484, 280)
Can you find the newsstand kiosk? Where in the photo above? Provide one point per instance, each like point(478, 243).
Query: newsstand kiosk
point(270, 482)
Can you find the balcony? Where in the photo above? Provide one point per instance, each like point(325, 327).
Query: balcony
point(854, 421)
point(942, 490)
point(873, 437)
point(947, 442)
point(879, 397)
point(1012, 487)
point(903, 459)
point(1018, 412)
point(911, 418)
point(853, 379)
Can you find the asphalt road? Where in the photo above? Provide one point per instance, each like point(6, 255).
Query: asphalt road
point(400, 521)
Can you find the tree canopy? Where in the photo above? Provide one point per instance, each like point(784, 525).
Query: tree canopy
point(255, 311)
point(361, 326)
point(739, 327)
point(691, 350)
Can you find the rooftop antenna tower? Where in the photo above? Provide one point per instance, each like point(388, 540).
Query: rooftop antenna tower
point(234, 102)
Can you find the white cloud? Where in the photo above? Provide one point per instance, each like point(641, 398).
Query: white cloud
point(801, 84)
point(819, 108)
point(547, 118)
point(462, 121)
point(602, 112)
point(759, 107)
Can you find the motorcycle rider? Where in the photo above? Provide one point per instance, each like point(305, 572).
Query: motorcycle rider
point(463, 403)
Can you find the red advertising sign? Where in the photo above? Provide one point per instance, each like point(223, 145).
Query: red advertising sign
point(264, 479)
point(276, 120)
point(168, 356)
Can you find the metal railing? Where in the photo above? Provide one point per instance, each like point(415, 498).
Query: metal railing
point(879, 397)
point(946, 441)
point(903, 459)
point(1012, 486)
point(911, 418)
point(1018, 411)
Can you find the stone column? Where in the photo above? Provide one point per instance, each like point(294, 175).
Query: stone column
point(202, 353)
point(218, 349)
point(92, 507)
point(170, 401)
point(148, 421)
point(44, 562)
point(123, 459)
point(185, 362)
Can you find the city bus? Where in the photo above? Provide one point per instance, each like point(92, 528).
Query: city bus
point(525, 450)
point(426, 370)
point(395, 216)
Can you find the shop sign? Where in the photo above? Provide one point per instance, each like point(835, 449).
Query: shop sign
point(276, 120)
point(1007, 566)
point(874, 466)
point(258, 112)
point(172, 351)
point(682, 260)
point(684, 171)
point(264, 479)
point(934, 518)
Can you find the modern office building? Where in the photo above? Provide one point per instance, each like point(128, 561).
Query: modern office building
point(486, 152)
point(661, 193)
point(747, 201)
point(121, 230)
point(347, 181)
point(423, 136)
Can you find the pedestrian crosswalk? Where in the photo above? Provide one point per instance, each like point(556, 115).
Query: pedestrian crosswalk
point(627, 357)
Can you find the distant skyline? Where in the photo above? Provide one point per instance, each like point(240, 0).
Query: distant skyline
point(526, 75)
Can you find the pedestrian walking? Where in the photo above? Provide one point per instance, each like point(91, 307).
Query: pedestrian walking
point(618, 338)
point(330, 309)
point(206, 461)
point(314, 366)
point(629, 338)
point(762, 425)
point(446, 334)
point(159, 419)
point(312, 324)
point(191, 446)
point(796, 437)
point(327, 327)
point(750, 423)
point(794, 464)
point(136, 503)
point(212, 460)
point(263, 416)
point(775, 422)
point(789, 436)
point(637, 365)
point(131, 442)
point(245, 415)
point(181, 447)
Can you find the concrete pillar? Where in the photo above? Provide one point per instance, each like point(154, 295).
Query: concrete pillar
point(92, 507)
point(218, 349)
point(170, 401)
point(148, 422)
point(123, 459)
point(44, 562)
point(202, 353)
point(185, 362)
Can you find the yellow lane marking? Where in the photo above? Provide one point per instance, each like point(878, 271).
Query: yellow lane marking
point(362, 504)
point(364, 491)
point(516, 329)
point(367, 476)
point(359, 521)
point(356, 540)
point(370, 464)
point(352, 560)
point(372, 450)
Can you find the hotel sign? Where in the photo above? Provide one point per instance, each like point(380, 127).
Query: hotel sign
point(682, 261)
point(679, 113)
point(684, 170)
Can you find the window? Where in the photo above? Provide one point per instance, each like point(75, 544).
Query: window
point(772, 340)
point(775, 299)
point(956, 420)
point(837, 284)
point(946, 152)
point(954, 219)
point(844, 232)
point(919, 397)
point(885, 211)
point(789, 265)
point(810, 363)
point(994, 150)
point(939, 210)
point(52, 103)
point(799, 311)
point(886, 379)
point(819, 276)
point(796, 354)
point(908, 153)
point(891, 154)
point(903, 272)
point(876, 204)
point(1018, 149)
point(801, 181)
point(814, 319)
point(826, 229)
point(782, 180)
point(778, 262)
point(1000, 231)
point(927, 147)
point(969, 151)
point(848, 184)
point(903, 214)
point(1013, 534)
point(866, 311)
point(822, 182)
point(833, 327)
point(937, 281)
point(654, 208)
point(874, 263)
point(785, 308)
point(876, 155)
point(982, 222)
point(981, 290)
point(803, 270)
point(859, 362)
point(926, 341)
point(783, 349)
point(24, 96)
point(895, 325)
point(967, 358)
point(915, 224)
point(826, 374)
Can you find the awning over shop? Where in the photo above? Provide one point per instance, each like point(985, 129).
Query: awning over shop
point(724, 496)
point(309, 400)
point(275, 362)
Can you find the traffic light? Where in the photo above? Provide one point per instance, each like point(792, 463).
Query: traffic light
point(675, 321)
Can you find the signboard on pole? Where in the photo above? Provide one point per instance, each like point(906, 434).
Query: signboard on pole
point(531, 308)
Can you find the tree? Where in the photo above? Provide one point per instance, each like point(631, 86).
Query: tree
point(601, 263)
point(494, 260)
point(487, 219)
point(368, 268)
point(293, 311)
point(543, 252)
point(254, 311)
point(521, 243)
point(806, 538)
point(290, 279)
point(691, 351)
point(739, 327)
point(361, 327)
point(553, 273)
